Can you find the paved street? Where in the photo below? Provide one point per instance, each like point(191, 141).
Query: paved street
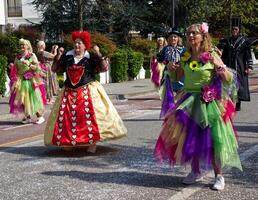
point(122, 169)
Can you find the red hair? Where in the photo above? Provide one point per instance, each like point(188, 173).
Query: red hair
point(84, 36)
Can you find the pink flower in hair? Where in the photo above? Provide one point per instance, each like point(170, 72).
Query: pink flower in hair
point(204, 27)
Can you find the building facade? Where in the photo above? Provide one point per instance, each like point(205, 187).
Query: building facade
point(17, 12)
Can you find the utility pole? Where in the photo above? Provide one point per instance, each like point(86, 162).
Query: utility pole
point(172, 10)
point(80, 12)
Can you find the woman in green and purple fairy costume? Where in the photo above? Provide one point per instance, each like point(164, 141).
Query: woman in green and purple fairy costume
point(27, 89)
point(198, 129)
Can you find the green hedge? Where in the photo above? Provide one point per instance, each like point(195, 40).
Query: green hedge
point(9, 46)
point(135, 62)
point(145, 46)
point(3, 71)
point(119, 66)
point(147, 73)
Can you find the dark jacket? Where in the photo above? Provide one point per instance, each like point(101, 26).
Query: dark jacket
point(236, 54)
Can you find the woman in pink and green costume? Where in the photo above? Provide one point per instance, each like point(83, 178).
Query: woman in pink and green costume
point(198, 129)
point(26, 93)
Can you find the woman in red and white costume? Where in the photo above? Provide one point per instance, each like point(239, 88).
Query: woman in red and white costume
point(83, 113)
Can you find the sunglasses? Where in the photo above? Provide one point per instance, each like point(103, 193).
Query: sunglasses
point(194, 33)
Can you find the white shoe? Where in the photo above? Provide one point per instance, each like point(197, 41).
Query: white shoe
point(40, 120)
point(192, 178)
point(219, 183)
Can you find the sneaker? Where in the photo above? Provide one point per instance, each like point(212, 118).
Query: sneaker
point(192, 178)
point(40, 120)
point(219, 183)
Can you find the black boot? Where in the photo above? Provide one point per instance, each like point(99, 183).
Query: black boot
point(238, 106)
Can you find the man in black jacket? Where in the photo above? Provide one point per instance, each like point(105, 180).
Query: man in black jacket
point(236, 54)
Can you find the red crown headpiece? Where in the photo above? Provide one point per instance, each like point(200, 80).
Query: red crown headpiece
point(84, 36)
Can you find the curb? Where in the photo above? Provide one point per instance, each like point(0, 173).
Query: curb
point(7, 116)
point(127, 96)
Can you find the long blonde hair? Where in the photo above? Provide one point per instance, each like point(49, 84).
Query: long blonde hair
point(164, 41)
point(206, 44)
point(26, 42)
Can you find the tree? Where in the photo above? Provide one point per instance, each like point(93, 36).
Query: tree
point(219, 13)
point(118, 17)
point(65, 16)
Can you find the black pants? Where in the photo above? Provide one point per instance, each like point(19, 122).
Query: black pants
point(238, 105)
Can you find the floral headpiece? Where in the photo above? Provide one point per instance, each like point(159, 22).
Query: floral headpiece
point(204, 28)
point(84, 36)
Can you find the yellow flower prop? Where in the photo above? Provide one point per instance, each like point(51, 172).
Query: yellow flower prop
point(186, 56)
point(194, 66)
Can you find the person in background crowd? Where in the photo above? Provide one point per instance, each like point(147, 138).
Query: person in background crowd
point(170, 55)
point(198, 130)
point(156, 67)
point(83, 113)
point(237, 55)
point(26, 96)
point(46, 60)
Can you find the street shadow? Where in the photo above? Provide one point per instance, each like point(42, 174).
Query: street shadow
point(143, 99)
point(2, 123)
point(56, 152)
point(109, 156)
point(250, 166)
point(246, 123)
point(253, 129)
point(124, 178)
point(248, 178)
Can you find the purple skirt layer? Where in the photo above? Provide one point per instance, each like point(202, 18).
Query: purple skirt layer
point(197, 149)
point(168, 102)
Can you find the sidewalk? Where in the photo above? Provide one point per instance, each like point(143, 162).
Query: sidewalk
point(119, 91)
